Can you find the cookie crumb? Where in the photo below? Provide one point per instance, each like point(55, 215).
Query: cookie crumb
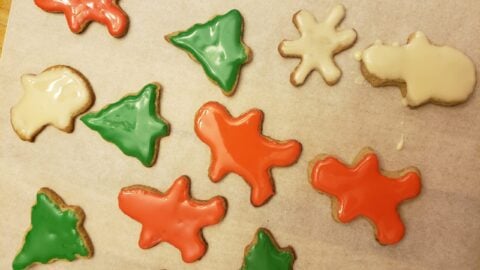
point(401, 143)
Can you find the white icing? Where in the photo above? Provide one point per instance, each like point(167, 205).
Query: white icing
point(432, 73)
point(54, 97)
point(358, 55)
point(318, 43)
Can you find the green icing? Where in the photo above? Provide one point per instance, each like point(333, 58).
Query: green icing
point(218, 47)
point(132, 124)
point(53, 235)
point(264, 255)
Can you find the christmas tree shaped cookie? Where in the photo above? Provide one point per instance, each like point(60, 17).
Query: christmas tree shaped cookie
point(218, 46)
point(57, 233)
point(132, 124)
point(264, 253)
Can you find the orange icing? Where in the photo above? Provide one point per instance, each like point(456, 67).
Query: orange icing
point(238, 146)
point(172, 217)
point(362, 190)
point(81, 12)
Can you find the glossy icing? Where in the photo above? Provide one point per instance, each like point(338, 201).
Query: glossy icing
point(218, 46)
point(172, 217)
point(237, 145)
point(56, 233)
point(424, 71)
point(317, 45)
point(81, 12)
point(54, 97)
point(265, 254)
point(132, 124)
point(362, 190)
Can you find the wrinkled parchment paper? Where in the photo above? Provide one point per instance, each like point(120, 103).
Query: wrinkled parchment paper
point(443, 223)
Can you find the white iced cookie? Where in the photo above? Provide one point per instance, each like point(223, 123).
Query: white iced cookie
point(54, 97)
point(424, 72)
point(317, 45)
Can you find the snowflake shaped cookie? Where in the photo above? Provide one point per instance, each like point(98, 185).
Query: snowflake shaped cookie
point(317, 45)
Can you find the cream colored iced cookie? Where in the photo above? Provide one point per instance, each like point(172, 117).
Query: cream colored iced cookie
point(317, 45)
point(54, 97)
point(424, 72)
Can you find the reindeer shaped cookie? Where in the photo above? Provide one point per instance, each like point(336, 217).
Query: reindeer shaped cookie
point(238, 146)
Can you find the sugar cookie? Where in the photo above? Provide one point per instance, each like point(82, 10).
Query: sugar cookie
point(217, 45)
point(54, 97)
point(423, 72)
point(172, 217)
point(79, 13)
point(264, 253)
point(363, 189)
point(237, 145)
point(133, 124)
point(317, 45)
point(56, 233)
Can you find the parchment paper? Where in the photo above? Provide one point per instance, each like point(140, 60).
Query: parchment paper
point(443, 223)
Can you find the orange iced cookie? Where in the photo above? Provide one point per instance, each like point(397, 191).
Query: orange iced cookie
point(363, 189)
point(79, 13)
point(237, 145)
point(172, 217)
point(319, 42)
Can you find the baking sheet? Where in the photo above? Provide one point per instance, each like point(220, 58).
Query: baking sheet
point(443, 223)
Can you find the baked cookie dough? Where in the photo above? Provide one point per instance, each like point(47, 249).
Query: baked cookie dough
point(317, 45)
point(424, 72)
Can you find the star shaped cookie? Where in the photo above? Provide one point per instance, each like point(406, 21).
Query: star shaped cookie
point(172, 217)
point(132, 124)
point(237, 145)
point(54, 97)
point(364, 190)
point(79, 13)
point(317, 45)
point(264, 253)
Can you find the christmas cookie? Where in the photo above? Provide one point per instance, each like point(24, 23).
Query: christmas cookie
point(172, 217)
point(132, 124)
point(56, 233)
point(54, 97)
point(264, 253)
point(424, 72)
point(237, 145)
point(317, 45)
point(363, 189)
point(217, 45)
point(79, 13)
